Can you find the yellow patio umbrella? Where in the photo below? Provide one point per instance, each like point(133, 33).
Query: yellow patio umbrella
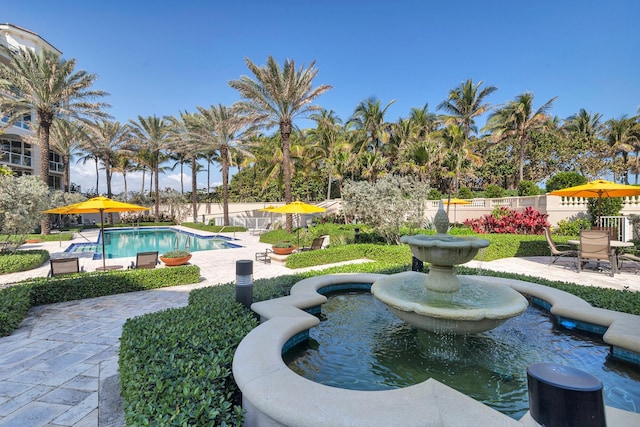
point(100, 205)
point(599, 188)
point(298, 207)
point(455, 201)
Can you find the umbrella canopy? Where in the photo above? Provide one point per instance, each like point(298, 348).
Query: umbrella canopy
point(297, 207)
point(97, 205)
point(455, 201)
point(599, 188)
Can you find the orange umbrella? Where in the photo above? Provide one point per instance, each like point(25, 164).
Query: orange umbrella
point(97, 204)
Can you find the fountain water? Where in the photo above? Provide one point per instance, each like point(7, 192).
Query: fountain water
point(441, 301)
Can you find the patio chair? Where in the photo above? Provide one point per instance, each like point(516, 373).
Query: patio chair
point(258, 231)
point(594, 245)
point(146, 260)
point(557, 250)
point(315, 245)
point(64, 266)
point(264, 256)
point(628, 256)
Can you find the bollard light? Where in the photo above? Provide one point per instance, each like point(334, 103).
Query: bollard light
point(244, 282)
point(356, 236)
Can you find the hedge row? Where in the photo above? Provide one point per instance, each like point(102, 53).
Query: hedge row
point(334, 254)
point(12, 262)
point(16, 300)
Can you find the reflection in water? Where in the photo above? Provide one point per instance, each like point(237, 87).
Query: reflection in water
point(361, 345)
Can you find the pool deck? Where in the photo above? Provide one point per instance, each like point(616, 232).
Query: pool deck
point(60, 367)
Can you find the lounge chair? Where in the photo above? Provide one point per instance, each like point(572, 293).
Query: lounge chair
point(146, 260)
point(264, 256)
point(594, 245)
point(64, 266)
point(628, 256)
point(557, 251)
point(315, 245)
point(258, 231)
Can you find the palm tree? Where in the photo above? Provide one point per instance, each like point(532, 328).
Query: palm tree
point(329, 134)
point(153, 134)
point(108, 138)
point(369, 118)
point(466, 103)
point(47, 84)
point(516, 121)
point(583, 131)
point(220, 128)
point(275, 98)
point(122, 163)
point(621, 138)
point(182, 133)
point(66, 138)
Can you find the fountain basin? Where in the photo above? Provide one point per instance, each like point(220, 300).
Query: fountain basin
point(270, 389)
point(477, 306)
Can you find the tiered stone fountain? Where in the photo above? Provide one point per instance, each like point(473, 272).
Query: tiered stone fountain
point(440, 301)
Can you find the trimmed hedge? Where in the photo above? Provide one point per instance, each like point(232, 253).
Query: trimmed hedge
point(14, 305)
point(12, 262)
point(331, 255)
point(16, 300)
point(213, 228)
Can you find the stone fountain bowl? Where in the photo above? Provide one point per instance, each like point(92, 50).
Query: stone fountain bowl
point(443, 249)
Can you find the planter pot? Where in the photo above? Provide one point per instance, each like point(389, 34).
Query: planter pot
point(33, 241)
point(284, 251)
point(172, 262)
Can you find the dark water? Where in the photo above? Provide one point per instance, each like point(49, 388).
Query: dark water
point(361, 345)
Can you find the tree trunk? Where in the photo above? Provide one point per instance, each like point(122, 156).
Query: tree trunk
point(285, 132)
point(194, 189)
point(224, 153)
point(124, 177)
point(329, 185)
point(97, 177)
point(45, 126)
point(65, 174)
point(156, 175)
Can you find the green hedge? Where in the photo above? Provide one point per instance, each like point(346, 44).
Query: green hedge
point(213, 228)
point(14, 305)
point(12, 262)
point(16, 300)
point(331, 255)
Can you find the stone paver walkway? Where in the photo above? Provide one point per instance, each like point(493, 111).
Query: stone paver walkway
point(60, 367)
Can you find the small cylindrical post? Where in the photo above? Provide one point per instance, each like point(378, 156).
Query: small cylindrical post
point(562, 396)
point(244, 282)
point(203, 218)
point(356, 236)
point(417, 265)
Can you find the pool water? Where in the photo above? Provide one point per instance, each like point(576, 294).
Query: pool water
point(128, 242)
point(361, 345)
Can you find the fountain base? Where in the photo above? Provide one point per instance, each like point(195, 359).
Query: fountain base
point(479, 305)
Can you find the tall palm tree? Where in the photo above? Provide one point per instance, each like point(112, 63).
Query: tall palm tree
point(186, 143)
point(47, 84)
point(466, 103)
point(516, 121)
point(122, 163)
point(329, 134)
point(221, 128)
point(66, 138)
point(108, 138)
point(153, 134)
point(275, 98)
point(583, 132)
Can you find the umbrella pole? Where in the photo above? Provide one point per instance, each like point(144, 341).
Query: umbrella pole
point(104, 255)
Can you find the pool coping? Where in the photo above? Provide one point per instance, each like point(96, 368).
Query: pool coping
point(270, 389)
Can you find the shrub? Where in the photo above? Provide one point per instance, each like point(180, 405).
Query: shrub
point(493, 192)
point(564, 180)
point(528, 188)
point(465, 193)
point(14, 304)
point(606, 206)
point(434, 194)
point(11, 262)
point(399, 254)
point(176, 254)
point(572, 226)
point(507, 220)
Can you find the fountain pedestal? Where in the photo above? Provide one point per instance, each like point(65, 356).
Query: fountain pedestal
point(441, 301)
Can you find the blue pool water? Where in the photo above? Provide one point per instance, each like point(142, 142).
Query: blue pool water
point(127, 242)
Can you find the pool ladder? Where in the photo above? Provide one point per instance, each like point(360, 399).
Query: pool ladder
point(187, 243)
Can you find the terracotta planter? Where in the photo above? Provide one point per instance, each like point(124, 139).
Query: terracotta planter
point(172, 262)
point(283, 251)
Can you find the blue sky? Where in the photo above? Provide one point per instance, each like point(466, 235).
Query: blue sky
point(164, 57)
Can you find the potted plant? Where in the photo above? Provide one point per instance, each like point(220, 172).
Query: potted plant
point(283, 247)
point(173, 258)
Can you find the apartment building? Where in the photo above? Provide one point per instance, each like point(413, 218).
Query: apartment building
point(17, 148)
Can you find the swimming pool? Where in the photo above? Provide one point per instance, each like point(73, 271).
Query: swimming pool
point(127, 242)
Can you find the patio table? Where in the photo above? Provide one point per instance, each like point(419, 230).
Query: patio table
point(616, 246)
